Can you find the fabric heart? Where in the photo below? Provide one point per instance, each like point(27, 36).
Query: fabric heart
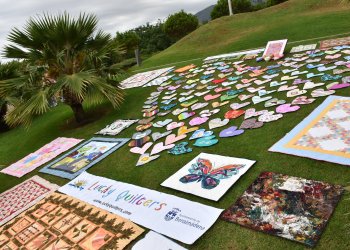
point(166, 102)
point(287, 71)
point(331, 57)
point(141, 151)
point(286, 108)
point(323, 68)
point(206, 141)
point(252, 112)
point(231, 131)
point(167, 97)
point(302, 100)
point(141, 128)
point(201, 93)
point(159, 147)
point(265, 92)
point(139, 142)
point(251, 124)
point(187, 93)
point(189, 103)
point(219, 104)
point(161, 124)
point(225, 84)
point(155, 94)
point(220, 89)
point(170, 92)
point(179, 111)
point(226, 97)
point(259, 82)
point(200, 133)
point(273, 102)
point(174, 125)
point(211, 97)
point(253, 90)
point(201, 87)
point(296, 73)
point(244, 97)
point(295, 92)
point(269, 117)
point(198, 121)
point(146, 158)
point(207, 113)
point(149, 109)
point(140, 135)
point(185, 115)
point(258, 99)
point(286, 88)
point(275, 83)
point(337, 85)
point(150, 114)
point(311, 85)
point(311, 75)
point(248, 80)
point(181, 148)
point(236, 106)
point(328, 77)
point(170, 139)
point(321, 92)
point(270, 76)
point(174, 87)
point(156, 136)
point(189, 86)
point(299, 81)
point(232, 114)
point(184, 130)
point(217, 122)
point(183, 99)
point(199, 105)
point(146, 121)
point(217, 81)
point(286, 78)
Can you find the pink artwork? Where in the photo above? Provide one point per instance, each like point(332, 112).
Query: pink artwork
point(275, 49)
point(40, 157)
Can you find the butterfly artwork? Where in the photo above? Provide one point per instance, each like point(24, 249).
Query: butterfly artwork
point(203, 171)
point(208, 175)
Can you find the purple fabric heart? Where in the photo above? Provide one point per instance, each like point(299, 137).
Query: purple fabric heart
point(231, 131)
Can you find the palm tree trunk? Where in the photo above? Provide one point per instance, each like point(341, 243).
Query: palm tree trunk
point(3, 111)
point(79, 113)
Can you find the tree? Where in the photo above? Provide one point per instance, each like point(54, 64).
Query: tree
point(180, 24)
point(65, 55)
point(238, 6)
point(129, 39)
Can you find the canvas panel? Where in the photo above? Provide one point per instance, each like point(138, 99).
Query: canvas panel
point(116, 127)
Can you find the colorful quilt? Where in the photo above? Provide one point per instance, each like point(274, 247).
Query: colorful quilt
point(141, 79)
point(334, 42)
point(275, 48)
point(40, 157)
point(83, 157)
point(116, 127)
point(285, 206)
point(323, 135)
point(21, 197)
point(301, 48)
point(62, 222)
point(208, 175)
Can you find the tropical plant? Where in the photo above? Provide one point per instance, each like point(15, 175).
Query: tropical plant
point(180, 24)
point(66, 56)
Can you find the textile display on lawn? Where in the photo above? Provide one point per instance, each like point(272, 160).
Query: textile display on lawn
point(301, 48)
point(234, 55)
point(285, 206)
point(62, 222)
point(141, 79)
point(323, 135)
point(335, 42)
point(208, 175)
point(169, 215)
point(83, 157)
point(275, 48)
point(40, 157)
point(21, 197)
point(116, 127)
point(154, 241)
point(158, 81)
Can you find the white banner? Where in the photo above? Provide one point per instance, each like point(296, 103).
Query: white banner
point(175, 217)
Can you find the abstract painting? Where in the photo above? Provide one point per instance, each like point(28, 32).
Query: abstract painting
point(323, 135)
point(208, 175)
point(116, 127)
point(62, 222)
point(40, 157)
point(83, 157)
point(21, 197)
point(286, 206)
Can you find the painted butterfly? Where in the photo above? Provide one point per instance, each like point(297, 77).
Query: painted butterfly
point(210, 178)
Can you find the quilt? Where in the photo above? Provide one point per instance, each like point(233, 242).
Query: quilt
point(83, 157)
point(234, 55)
point(141, 79)
point(116, 127)
point(178, 218)
point(40, 157)
point(301, 48)
point(62, 222)
point(290, 207)
point(275, 48)
point(208, 175)
point(21, 197)
point(323, 135)
point(334, 42)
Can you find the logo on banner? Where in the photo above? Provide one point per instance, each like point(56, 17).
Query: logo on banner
point(172, 214)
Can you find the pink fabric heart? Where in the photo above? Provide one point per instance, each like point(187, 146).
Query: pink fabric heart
point(198, 120)
point(141, 151)
point(159, 147)
point(251, 113)
point(211, 97)
point(170, 139)
point(286, 108)
point(236, 106)
point(174, 125)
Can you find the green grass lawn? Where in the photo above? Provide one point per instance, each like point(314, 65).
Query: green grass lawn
point(253, 145)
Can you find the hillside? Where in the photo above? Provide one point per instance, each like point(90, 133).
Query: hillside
point(204, 15)
point(294, 19)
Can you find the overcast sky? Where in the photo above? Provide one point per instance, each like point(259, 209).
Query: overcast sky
point(114, 15)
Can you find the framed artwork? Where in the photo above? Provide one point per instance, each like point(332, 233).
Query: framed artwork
point(116, 127)
point(83, 157)
point(275, 48)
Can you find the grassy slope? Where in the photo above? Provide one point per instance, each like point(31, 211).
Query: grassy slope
point(295, 20)
point(253, 145)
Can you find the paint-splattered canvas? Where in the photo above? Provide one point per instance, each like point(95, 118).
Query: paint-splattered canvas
point(63, 222)
point(83, 157)
point(286, 206)
point(208, 175)
point(40, 157)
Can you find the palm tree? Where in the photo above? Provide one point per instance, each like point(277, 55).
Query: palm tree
point(65, 55)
